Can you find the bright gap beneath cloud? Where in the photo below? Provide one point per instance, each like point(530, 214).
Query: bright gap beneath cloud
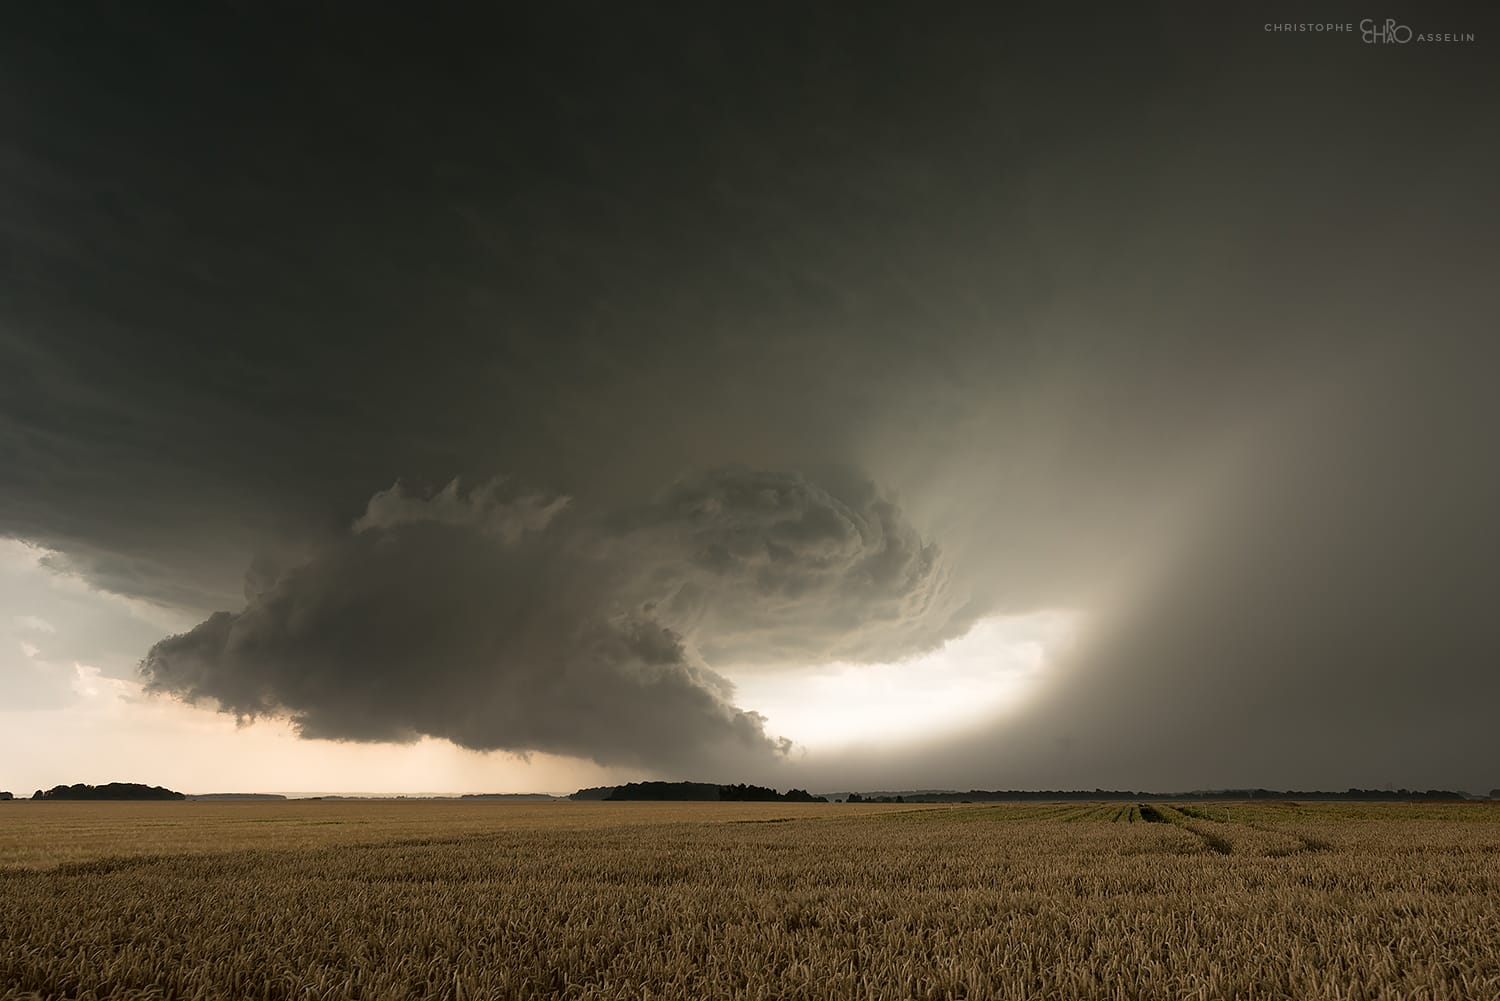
point(840, 705)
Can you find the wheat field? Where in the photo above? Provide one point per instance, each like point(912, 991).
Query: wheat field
point(455, 900)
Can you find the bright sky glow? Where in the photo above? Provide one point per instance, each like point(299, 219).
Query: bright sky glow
point(989, 668)
point(110, 731)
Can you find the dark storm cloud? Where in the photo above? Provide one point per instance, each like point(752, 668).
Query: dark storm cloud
point(431, 631)
point(471, 615)
point(1153, 314)
point(593, 252)
point(770, 569)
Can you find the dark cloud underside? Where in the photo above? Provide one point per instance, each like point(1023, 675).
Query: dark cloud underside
point(490, 617)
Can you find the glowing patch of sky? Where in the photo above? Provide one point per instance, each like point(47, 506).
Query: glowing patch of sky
point(987, 669)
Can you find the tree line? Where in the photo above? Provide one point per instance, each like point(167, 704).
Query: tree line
point(110, 790)
point(696, 792)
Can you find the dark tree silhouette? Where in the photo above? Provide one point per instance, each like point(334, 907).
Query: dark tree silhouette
point(704, 792)
point(110, 790)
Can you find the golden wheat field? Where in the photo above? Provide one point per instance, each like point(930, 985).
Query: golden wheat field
point(457, 900)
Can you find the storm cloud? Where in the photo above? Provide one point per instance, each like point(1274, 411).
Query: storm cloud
point(1158, 317)
point(770, 569)
point(506, 624)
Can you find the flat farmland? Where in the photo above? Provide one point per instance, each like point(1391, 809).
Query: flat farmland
point(463, 900)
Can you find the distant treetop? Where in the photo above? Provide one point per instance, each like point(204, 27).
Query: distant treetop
point(703, 792)
point(110, 790)
point(594, 792)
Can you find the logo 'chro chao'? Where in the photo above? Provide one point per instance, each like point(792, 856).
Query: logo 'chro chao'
point(1386, 32)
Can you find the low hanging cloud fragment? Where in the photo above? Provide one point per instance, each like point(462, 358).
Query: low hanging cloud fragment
point(503, 620)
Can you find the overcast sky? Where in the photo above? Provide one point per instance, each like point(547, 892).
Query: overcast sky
point(872, 396)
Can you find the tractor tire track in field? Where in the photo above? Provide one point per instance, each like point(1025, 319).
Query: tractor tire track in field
point(1163, 814)
point(1304, 843)
point(1228, 837)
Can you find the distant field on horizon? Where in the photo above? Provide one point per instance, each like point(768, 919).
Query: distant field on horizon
point(42, 835)
point(433, 899)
